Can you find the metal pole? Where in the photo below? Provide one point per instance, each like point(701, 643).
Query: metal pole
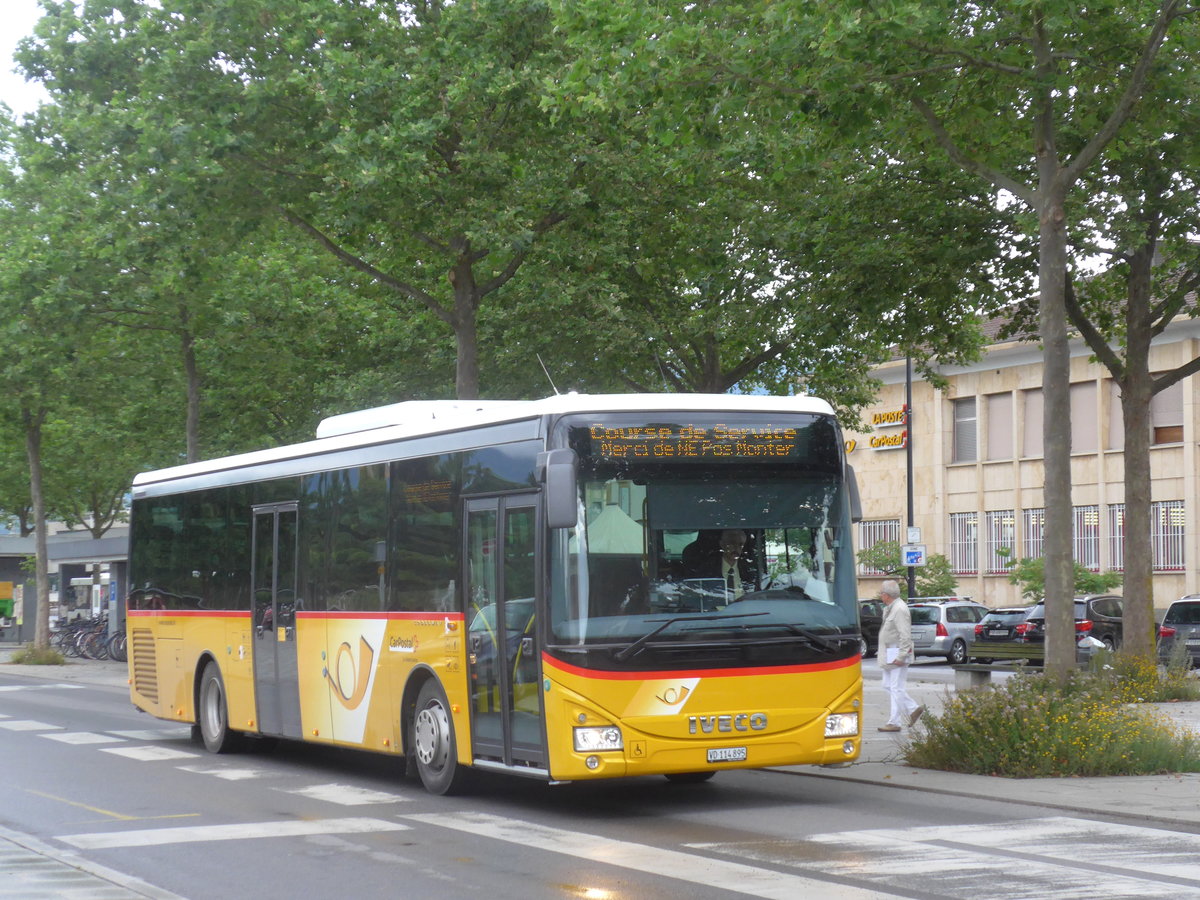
point(908, 449)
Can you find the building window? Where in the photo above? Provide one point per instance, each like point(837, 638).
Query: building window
point(965, 430)
point(1166, 535)
point(1033, 532)
point(876, 532)
point(1086, 537)
point(999, 426)
point(1116, 420)
point(1084, 417)
point(1166, 415)
point(964, 543)
point(1031, 441)
point(1116, 536)
point(1000, 549)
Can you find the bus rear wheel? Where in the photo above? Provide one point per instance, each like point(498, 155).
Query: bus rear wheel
point(212, 713)
point(433, 742)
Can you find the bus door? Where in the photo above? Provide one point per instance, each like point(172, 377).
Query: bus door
point(276, 679)
point(503, 650)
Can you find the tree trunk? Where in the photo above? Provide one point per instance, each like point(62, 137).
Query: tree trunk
point(33, 455)
point(1056, 394)
point(1138, 619)
point(1137, 390)
point(187, 343)
point(465, 324)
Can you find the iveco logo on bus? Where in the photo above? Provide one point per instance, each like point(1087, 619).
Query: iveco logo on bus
point(735, 722)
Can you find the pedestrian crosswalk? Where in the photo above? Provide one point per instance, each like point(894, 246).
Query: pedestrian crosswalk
point(1052, 858)
point(191, 834)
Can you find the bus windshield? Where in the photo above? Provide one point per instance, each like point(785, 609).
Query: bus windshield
point(705, 555)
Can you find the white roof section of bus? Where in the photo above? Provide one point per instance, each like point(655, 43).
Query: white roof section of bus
point(420, 418)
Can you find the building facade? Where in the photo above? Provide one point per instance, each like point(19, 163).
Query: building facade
point(978, 473)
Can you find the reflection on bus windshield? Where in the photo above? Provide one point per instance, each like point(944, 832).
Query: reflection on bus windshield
point(713, 549)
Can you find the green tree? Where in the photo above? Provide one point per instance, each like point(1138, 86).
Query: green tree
point(1026, 99)
point(934, 579)
point(1082, 77)
point(1030, 575)
point(1149, 218)
point(408, 142)
point(43, 277)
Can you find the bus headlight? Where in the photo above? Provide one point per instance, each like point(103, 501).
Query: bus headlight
point(589, 740)
point(841, 725)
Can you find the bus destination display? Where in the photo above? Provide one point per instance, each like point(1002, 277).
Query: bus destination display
point(690, 442)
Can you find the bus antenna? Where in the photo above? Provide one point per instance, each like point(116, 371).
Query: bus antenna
point(547, 371)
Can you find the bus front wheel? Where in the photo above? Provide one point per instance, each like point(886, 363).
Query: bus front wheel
point(212, 713)
point(433, 741)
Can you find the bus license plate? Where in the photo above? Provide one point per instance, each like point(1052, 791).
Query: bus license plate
point(727, 754)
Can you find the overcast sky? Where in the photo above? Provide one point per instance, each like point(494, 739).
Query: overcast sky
point(17, 18)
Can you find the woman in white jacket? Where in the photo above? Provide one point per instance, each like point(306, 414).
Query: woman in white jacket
point(895, 655)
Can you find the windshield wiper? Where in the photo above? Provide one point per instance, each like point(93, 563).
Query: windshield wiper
point(624, 654)
point(829, 644)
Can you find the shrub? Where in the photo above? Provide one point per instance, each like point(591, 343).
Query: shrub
point(1134, 679)
point(30, 655)
point(1031, 727)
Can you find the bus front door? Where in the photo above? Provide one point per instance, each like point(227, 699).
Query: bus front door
point(276, 680)
point(503, 652)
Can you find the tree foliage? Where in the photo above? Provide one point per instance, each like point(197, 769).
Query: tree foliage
point(934, 579)
point(1028, 100)
point(1030, 575)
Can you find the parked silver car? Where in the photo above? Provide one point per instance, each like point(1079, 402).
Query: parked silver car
point(945, 627)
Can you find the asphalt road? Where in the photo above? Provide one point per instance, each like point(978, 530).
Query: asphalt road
point(88, 775)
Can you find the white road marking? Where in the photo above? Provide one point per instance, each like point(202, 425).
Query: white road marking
point(229, 773)
point(344, 794)
point(1058, 858)
point(41, 687)
point(689, 867)
point(194, 834)
point(166, 734)
point(149, 754)
point(28, 725)
point(83, 737)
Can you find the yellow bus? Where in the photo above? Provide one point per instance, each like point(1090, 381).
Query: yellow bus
point(572, 588)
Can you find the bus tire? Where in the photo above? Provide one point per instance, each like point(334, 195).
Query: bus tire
point(434, 745)
point(212, 713)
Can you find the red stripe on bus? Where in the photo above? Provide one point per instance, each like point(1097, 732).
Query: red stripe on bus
point(698, 673)
point(417, 616)
point(191, 613)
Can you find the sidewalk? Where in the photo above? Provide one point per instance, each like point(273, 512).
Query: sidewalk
point(91, 671)
point(1164, 798)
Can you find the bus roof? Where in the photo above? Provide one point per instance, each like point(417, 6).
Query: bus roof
point(421, 418)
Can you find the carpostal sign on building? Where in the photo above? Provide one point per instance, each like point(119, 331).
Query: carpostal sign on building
point(884, 438)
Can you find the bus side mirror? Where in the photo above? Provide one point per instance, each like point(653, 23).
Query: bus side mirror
point(557, 468)
point(855, 499)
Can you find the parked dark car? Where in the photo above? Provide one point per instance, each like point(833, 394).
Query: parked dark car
point(870, 619)
point(1002, 625)
point(1097, 615)
point(1020, 633)
point(1179, 632)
